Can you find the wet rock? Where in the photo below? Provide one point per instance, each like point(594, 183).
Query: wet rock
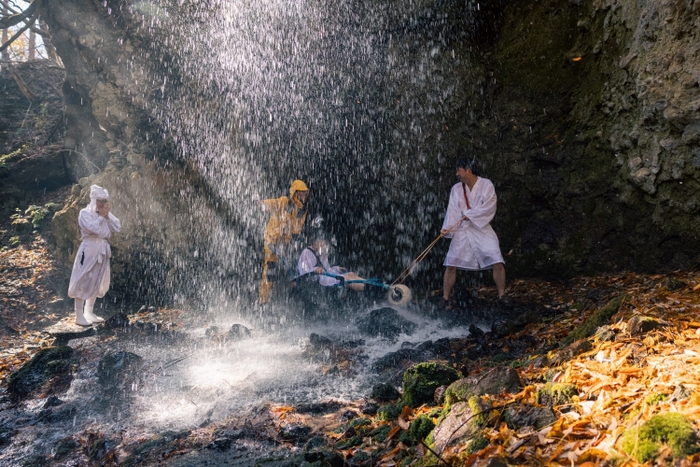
point(314, 444)
point(401, 358)
point(295, 432)
point(212, 331)
point(500, 379)
point(52, 401)
point(384, 393)
point(46, 365)
point(117, 321)
point(239, 332)
point(67, 330)
point(385, 322)
point(421, 381)
point(475, 331)
point(35, 460)
point(112, 367)
point(220, 444)
point(573, 350)
point(324, 457)
point(369, 408)
point(319, 342)
point(64, 447)
point(318, 408)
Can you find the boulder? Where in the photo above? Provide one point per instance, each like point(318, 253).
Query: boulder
point(421, 381)
point(43, 367)
point(498, 380)
point(385, 322)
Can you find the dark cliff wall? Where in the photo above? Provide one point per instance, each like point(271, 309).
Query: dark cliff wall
point(585, 114)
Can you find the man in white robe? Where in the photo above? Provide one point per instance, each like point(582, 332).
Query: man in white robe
point(90, 277)
point(474, 245)
point(315, 259)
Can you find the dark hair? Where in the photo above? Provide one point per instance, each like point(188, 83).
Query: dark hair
point(468, 163)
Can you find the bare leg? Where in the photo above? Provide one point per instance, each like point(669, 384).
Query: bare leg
point(351, 276)
point(448, 281)
point(499, 277)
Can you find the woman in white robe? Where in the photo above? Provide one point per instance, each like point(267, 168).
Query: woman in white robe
point(90, 277)
point(474, 245)
point(310, 258)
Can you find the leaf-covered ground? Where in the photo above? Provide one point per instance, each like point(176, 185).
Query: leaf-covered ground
point(644, 362)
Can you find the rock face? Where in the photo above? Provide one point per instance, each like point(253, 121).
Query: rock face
point(585, 115)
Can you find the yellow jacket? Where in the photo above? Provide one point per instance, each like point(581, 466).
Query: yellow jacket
point(284, 219)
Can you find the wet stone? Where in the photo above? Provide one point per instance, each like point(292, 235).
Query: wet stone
point(369, 408)
point(114, 365)
point(239, 332)
point(67, 330)
point(295, 432)
point(384, 393)
point(385, 322)
point(44, 366)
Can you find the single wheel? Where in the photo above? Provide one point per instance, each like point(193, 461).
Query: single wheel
point(399, 295)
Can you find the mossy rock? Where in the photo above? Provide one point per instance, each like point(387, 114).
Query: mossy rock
point(599, 318)
point(553, 394)
point(673, 429)
point(638, 325)
point(390, 412)
point(385, 393)
point(421, 427)
point(500, 379)
point(46, 364)
point(421, 381)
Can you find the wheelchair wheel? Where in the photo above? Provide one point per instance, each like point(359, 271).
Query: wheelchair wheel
point(399, 295)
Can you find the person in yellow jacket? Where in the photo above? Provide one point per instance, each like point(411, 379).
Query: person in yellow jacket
point(286, 219)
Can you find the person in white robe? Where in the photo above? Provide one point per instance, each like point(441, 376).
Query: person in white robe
point(89, 279)
point(315, 259)
point(474, 245)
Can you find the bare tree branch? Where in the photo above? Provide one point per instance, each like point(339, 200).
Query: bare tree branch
point(19, 33)
point(19, 17)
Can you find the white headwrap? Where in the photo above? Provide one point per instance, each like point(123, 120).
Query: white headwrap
point(97, 192)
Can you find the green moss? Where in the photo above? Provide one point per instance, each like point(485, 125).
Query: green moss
point(421, 427)
point(477, 444)
point(348, 443)
point(553, 394)
point(599, 318)
point(360, 421)
point(390, 412)
point(379, 434)
point(421, 381)
point(673, 429)
point(654, 399)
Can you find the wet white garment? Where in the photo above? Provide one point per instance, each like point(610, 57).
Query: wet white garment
point(90, 276)
point(474, 244)
point(308, 262)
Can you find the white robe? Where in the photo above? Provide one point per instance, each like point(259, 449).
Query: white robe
point(90, 276)
point(307, 263)
point(474, 244)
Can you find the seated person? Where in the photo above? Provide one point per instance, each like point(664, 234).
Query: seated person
point(315, 259)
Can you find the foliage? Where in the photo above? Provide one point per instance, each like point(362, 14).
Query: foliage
point(598, 319)
point(671, 428)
